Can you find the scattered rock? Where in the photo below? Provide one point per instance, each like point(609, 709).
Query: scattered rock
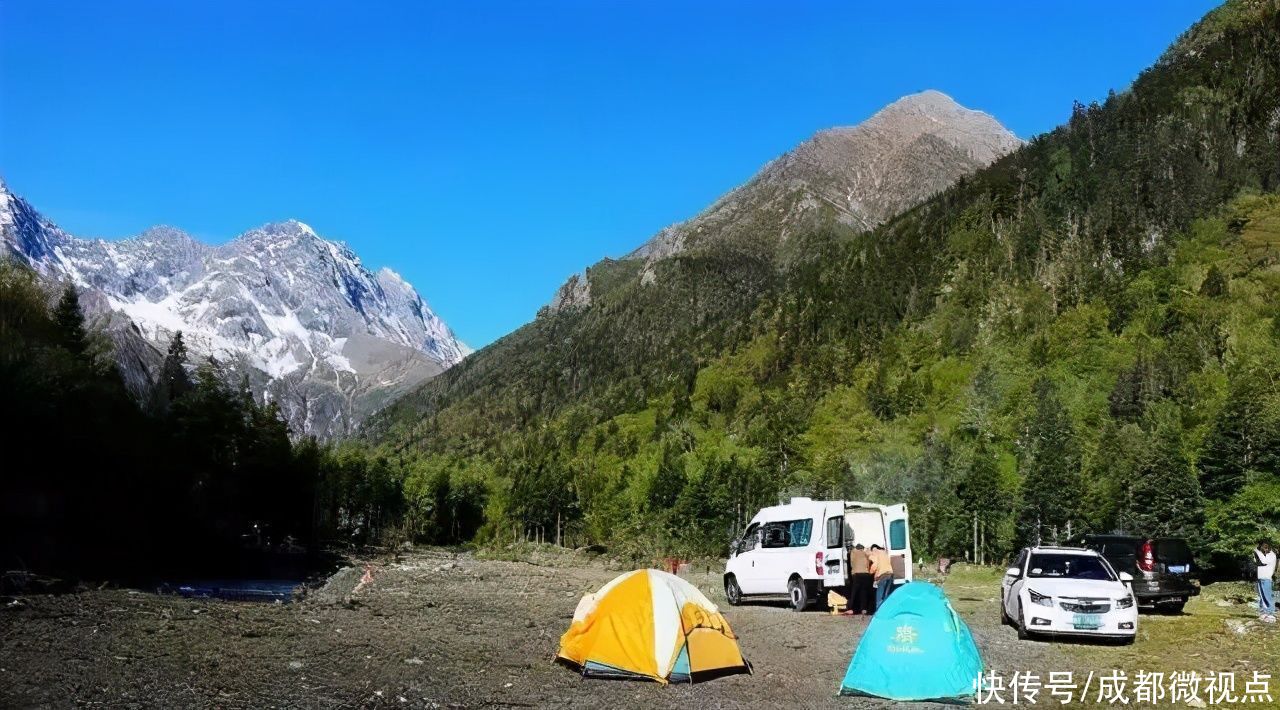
point(415, 661)
point(295, 665)
point(338, 587)
point(1237, 626)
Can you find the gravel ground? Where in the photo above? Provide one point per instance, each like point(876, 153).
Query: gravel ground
point(431, 629)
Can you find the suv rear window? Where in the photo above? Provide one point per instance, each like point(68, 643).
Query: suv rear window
point(1127, 547)
point(1172, 551)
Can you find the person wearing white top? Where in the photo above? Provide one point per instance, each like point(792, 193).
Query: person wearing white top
point(1265, 559)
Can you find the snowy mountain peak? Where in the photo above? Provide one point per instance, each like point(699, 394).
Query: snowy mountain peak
point(391, 276)
point(277, 235)
point(164, 233)
point(278, 300)
point(287, 228)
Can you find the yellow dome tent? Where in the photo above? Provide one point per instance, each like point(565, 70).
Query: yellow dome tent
point(650, 624)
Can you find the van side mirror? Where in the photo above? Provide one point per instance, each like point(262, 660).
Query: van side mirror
point(1013, 572)
point(1126, 577)
point(735, 546)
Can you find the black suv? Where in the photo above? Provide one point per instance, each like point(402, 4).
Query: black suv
point(1163, 571)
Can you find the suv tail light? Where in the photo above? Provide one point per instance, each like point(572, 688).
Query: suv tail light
point(817, 563)
point(1147, 557)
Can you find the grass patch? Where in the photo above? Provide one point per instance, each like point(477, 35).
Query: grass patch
point(1218, 631)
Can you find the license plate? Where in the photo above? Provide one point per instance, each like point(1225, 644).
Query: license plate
point(1087, 621)
point(1179, 569)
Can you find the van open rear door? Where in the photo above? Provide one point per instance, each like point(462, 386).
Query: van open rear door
point(898, 533)
point(836, 566)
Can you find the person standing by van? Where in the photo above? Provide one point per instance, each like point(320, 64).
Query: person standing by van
point(1265, 559)
point(861, 600)
point(882, 571)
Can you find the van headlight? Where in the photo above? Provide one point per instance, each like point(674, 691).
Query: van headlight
point(1124, 603)
point(1041, 599)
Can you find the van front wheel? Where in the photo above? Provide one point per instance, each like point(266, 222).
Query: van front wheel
point(732, 592)
point(798, 593)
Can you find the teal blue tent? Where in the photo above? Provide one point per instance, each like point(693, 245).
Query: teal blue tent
point(915, 648)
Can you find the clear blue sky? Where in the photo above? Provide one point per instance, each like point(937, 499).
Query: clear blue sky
point(488, 150)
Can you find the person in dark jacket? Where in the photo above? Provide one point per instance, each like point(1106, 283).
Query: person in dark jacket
point(861, 593)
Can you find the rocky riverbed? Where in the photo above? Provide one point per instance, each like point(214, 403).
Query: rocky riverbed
point(430, 628)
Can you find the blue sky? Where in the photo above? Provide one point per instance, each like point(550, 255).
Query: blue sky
point(488, 150)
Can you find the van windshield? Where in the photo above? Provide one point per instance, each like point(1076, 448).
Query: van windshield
point(1069, 567)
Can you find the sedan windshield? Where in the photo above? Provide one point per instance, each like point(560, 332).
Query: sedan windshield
point(1069, 567)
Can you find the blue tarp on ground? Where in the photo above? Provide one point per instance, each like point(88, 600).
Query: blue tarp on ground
point(915, 648)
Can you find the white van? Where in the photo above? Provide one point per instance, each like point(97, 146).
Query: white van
point(800, 549)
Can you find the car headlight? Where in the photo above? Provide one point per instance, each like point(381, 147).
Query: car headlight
point(1124, 603)
point(1041, 599)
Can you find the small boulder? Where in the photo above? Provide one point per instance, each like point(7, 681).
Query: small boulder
point(1237, 626)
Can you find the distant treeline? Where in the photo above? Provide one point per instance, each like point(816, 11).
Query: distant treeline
point(199, 478)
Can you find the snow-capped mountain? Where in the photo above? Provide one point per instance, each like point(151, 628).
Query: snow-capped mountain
point(314, 329)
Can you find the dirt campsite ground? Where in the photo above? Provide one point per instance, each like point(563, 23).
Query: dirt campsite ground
point(436, 628)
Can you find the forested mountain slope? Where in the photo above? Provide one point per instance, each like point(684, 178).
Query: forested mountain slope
point(1084, 335)
point(625, 329)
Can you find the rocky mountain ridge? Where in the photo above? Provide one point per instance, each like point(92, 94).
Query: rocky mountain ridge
point(300, 316)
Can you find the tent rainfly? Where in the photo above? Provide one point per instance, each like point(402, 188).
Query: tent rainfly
point(915, 648)
point(651, 625)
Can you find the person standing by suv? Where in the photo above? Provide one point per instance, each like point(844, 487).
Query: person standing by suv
point(1265, 559)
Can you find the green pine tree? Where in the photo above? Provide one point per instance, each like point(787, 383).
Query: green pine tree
point(174, 382)
point(1164, 496)
point(68, 318)
point(980, 495)
point(1214, 284)
point(1245, 438)
point(1051, 480)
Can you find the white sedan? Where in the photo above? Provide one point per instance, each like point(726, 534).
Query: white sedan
point(1068, 591)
